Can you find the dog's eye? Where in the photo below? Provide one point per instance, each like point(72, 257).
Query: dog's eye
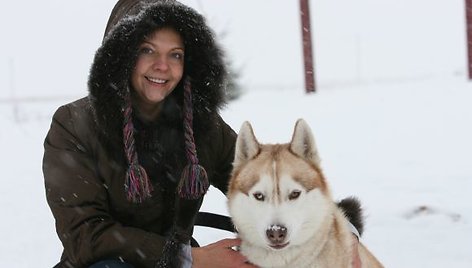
point(294, 195)
point(259, 196)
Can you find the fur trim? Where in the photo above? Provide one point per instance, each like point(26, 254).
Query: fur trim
point(114, 62)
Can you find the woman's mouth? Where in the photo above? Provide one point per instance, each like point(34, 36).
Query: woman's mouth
point(156, 80)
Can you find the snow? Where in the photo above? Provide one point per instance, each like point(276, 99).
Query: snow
point(392, 115)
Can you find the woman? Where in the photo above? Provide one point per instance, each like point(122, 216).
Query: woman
point(127, 166)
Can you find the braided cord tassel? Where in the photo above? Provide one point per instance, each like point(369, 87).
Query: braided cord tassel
point(137, 184)
point(194, 179)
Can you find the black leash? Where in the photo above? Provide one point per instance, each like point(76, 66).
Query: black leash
point(207, 219)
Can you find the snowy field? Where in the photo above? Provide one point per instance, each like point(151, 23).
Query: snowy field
point(392, 116)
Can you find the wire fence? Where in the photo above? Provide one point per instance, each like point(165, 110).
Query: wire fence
point(32, 108)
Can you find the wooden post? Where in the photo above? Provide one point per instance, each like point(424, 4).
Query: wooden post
point(307, 48)
point(468, 15)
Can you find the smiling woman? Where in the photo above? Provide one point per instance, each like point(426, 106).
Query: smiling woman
point(159, 68)
point(126, 167)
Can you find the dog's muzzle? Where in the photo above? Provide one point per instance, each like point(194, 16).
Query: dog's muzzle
point(277, 235)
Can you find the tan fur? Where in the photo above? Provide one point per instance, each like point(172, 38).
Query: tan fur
point(280, 179)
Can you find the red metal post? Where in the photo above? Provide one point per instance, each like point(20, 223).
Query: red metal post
point(307, 48)
point(468, 15)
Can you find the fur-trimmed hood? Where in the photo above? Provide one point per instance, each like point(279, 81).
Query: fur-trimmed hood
point(115, 60)
point(88, 159)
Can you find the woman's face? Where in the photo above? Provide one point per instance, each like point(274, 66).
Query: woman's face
point(158, 70)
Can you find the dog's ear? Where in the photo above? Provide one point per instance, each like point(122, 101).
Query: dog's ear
point(247, 146)
point(303, 143)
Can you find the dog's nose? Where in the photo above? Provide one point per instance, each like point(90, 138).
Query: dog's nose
point(276, 234)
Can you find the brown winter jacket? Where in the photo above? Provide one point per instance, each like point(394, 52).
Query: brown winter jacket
point(84, 185)
point(84, 162)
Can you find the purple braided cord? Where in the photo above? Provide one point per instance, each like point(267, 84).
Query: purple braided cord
point(137, 184)
point(194, 182)
point(191, 151)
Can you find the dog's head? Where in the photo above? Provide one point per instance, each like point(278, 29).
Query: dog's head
point(277, 195)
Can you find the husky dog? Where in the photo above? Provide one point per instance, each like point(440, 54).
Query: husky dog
point(281, 205)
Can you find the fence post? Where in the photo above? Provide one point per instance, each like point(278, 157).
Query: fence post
point(310, 85)
point(468, 15)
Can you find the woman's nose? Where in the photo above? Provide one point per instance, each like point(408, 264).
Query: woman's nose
point(160, 63)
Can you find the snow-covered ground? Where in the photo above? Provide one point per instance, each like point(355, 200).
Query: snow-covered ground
point(392, 116)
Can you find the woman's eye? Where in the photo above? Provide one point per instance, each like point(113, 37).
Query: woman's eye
point(145, 50)
point(178, 56)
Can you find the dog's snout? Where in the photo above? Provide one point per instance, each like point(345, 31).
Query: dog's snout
point(276, 234)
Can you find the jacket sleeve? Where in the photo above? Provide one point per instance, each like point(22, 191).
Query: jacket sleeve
point(225, 156)
point(78, 200)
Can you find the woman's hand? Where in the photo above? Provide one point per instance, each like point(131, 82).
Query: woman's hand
point(220, 255)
